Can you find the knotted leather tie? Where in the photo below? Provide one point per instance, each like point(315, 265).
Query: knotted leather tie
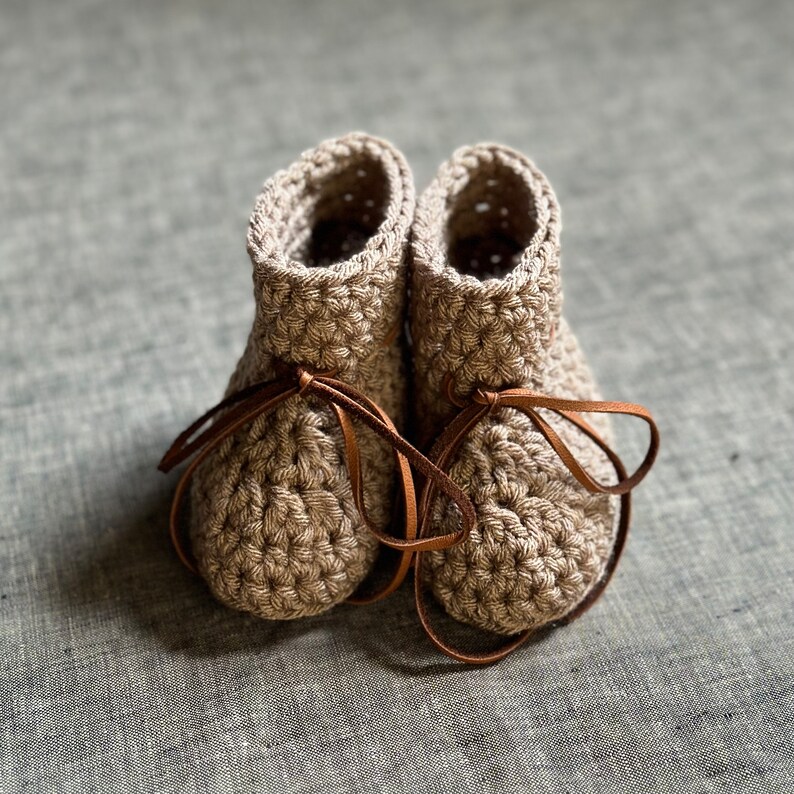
point(483, 403)
point(246, 405)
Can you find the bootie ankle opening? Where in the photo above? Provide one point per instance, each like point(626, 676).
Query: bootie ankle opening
point(342, 212)
point(491, 222)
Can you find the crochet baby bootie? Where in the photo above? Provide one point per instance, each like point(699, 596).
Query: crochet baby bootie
point(278, 525)
point(500, 383)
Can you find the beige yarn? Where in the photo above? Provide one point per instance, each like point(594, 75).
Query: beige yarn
point(274, 527)
point(542, 540)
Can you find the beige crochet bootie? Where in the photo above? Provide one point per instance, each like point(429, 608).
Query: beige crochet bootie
point(288, 499)
point(490, 348)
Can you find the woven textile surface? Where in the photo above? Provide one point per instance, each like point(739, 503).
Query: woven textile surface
point(133, 140)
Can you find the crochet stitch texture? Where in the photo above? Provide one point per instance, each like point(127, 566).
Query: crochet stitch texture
point(485, 310)
point(274, 527)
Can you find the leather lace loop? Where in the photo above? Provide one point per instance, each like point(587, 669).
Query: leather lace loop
point(485, 402)
point(237, 410)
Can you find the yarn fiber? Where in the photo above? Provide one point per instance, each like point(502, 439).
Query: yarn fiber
point(485, 309)
point(274, 527)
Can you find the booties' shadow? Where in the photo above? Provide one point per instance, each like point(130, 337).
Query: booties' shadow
point(130, 575)
point(398, 642)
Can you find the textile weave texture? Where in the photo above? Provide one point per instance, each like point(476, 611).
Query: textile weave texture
point(133, 140)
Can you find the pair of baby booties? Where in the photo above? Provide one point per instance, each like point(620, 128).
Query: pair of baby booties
point(517, 512)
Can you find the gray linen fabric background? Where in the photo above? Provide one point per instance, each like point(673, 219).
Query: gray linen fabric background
point(133, 139)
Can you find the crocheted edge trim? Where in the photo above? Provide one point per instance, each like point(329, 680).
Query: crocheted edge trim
point(264, 246)
point(429, 244)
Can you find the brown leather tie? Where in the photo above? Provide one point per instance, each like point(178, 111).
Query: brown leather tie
point(244, 406)
point(485, 402)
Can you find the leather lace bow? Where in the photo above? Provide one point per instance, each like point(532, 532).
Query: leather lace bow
point(239, 409)
point(483, 403)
